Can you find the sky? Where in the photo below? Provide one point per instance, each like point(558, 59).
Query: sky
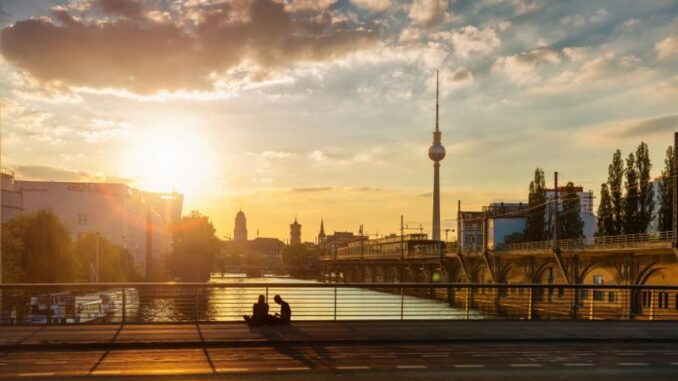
point(325, 109)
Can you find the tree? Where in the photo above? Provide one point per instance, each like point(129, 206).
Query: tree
point(570, 224)
point(195, 247)
point(630, 202)
point(645, 190)
point(298, 257)
point(115, 263)
point(40, 248)
point(614, 180)
point(535, 223)
point(12, 253)
point(605, 217)
point(665, 213)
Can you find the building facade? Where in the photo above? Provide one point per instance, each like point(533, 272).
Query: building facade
point(295, 232)
point(135, 220)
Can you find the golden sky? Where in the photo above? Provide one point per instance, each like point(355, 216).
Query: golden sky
point(325, 109)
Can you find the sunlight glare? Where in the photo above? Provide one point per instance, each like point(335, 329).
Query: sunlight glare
point(168, 158)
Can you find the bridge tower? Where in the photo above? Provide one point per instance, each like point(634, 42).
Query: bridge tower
point(436, 153)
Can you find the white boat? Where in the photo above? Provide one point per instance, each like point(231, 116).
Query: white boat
point(65, 307)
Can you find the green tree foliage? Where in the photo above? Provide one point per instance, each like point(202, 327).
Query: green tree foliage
point(645, 190)
point(605, 217)
point(614, 181)
point(630, 202)
point(535, 224)
point(195, 247)
point(41, 247)
point(12, 252)
point(665, 190)
point(115, 263)
point(299, 257)
point(570, 224)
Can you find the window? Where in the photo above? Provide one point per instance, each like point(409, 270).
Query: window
point(647, 299)
point(82, 218)
point(611, 297)
point(663, 300)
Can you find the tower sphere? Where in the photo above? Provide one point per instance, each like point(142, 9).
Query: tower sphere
point(436, 152)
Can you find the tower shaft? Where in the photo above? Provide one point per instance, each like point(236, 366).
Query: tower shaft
point(435, 234)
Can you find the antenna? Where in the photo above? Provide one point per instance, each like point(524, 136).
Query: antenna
point(437, 85)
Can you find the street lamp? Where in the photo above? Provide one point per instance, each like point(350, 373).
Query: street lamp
point(97, 260)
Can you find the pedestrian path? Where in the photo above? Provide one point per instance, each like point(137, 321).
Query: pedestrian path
point(214, 334)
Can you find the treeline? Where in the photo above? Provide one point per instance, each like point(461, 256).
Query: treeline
point(195, 249)
point(37, 248)
point(627, 199)
point(538, 223)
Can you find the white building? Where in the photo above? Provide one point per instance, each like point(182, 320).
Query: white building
point(12, 200)
point(137, 221)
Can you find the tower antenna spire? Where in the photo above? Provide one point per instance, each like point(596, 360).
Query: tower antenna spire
point(437, 86)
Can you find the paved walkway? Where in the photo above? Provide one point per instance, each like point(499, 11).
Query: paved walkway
point(238, 334)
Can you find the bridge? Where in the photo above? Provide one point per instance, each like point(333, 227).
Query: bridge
point(647, 258)
point(339, 330)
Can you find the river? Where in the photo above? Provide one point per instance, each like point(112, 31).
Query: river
point(307, 303)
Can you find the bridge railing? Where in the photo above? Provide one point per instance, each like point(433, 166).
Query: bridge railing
point(215, 302)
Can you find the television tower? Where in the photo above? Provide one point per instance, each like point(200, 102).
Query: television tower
point(437, 153)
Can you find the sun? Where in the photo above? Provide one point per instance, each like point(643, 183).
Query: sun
point(169, 157)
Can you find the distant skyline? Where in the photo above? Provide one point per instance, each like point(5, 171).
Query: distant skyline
point(325, 109)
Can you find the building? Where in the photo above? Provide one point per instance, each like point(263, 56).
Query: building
point(240, 230)
point(257, 252)
point(321, 235)
point(586, 211)
point(500, 220)
point(436, 153)
point(135, 220)
point(295, 232)
point(12, 199)
point(405, 246)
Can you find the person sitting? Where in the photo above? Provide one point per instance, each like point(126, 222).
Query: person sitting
point(285, 314)
point(259, 312)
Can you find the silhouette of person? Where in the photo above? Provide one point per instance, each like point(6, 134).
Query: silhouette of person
point(285, 314)
point(259, 312)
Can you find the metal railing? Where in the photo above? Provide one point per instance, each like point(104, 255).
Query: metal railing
point(212, 302)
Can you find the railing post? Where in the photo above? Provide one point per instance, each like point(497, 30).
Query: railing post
point(530, 301)
point(49, 308)
point(195, 303)
point(593, 299)
point(402, 303)
point(468, 302)
point(335, 303)
point(124, 306)
point(652, 299)
point(266, 294)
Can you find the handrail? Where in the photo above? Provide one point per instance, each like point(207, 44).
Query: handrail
point(331, 285)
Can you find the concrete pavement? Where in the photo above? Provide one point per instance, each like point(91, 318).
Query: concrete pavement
point(238, 334)
point(437, 361)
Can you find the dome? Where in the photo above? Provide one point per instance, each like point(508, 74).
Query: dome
point(240, 215)
point(436, 152)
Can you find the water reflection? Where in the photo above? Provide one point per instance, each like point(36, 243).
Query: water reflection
point(230, 304)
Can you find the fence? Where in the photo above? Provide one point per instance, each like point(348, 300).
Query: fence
point(210, 302)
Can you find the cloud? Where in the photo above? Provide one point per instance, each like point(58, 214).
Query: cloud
point(188, 54)
point(469, 40)
point(577, 20)
point(627, 129)
point(428, 12)
point(667, 48)
point(124, 8)
point(373, 5)
point(643, 128)
point(521, 68)
point(311, 189)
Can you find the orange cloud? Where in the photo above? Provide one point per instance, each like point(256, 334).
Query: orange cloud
point(112, 45)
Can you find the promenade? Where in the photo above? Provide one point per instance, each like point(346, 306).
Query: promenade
point(359, 350)
point(239, 334)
